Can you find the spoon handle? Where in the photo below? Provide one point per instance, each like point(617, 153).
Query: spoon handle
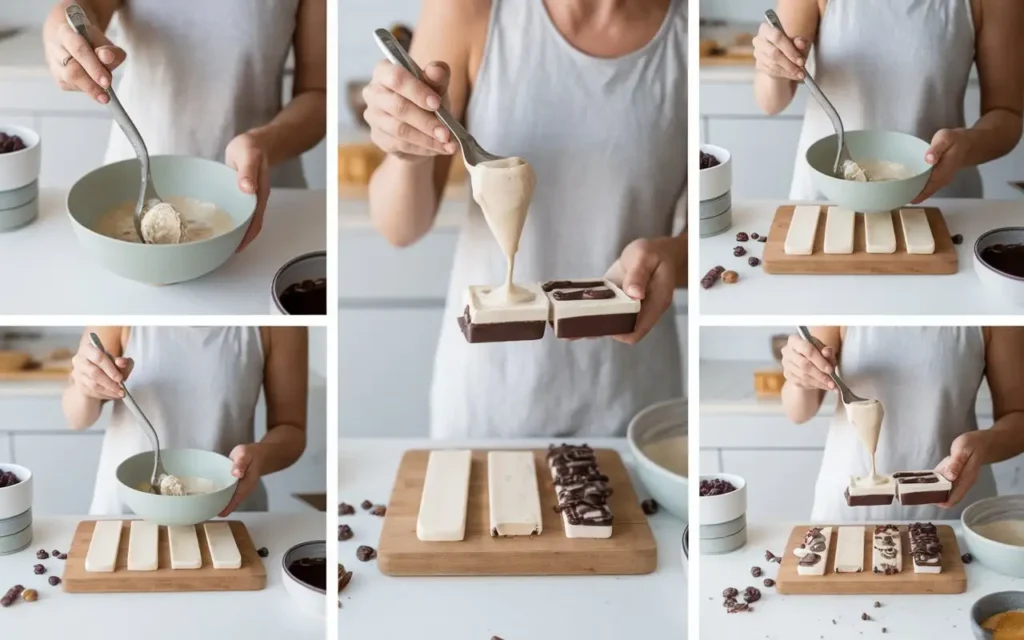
point(129, 401)
point(844, 391)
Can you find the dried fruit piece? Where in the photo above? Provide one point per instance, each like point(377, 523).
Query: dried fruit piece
point(753, 261)
point(771, 557)
point(649, 506)
point(865, 616)
point(755, 572)
point(53, 580)
point(365, 553)
point(39, 569)
point(739, 251)
point(366, 505)
point(730, 592)
point(742, 237)
point(730, 277)
point(967, 558)
point(763, 239)
point(62, 556)
point(715, 487)
point(42, 554)
point(344, 532)
point(958, 239)
point(707, 161)
point(345, 509)
point(768, 582)
point(379, 510)
point(751, 594)
point(262, 552)
point(755, 236)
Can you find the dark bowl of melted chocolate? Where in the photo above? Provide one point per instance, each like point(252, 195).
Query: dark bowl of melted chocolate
point(300, 286)
point(304, 573)
point(999, 263)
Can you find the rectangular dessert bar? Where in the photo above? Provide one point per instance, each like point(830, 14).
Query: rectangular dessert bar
point(861, 493)
point(513, 494)
point(488, 319)
point(850, 550)
point(925, 548)
point(887, 550)
point(582, 491)
point(921, 487)
point(813, 551)
point(590, 308)
point(443, 504)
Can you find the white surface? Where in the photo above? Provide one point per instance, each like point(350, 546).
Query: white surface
point(268, 613)
point(143, 538)
point(800, 236)
point(221, 543)
point(55, 277)
point(839, 223)
point(879, 233)
point(916, 231)
point(514, 607)
point(810, 617)
point(849, 549)
point(102, 553)
point(512, 493)
point(184, 545)
point(443, 503)
point(761, 293)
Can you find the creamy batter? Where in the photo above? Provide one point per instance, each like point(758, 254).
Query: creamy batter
point(199, 221)
point(1005, 531)
point(876, 171)
point(180, 486)
point(503, 189)
point(866, 417)
point(670, 454)
point(1008, 625)
point(163, 224)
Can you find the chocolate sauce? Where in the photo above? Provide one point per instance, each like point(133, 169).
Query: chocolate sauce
point(310, 571)
point(604, 293)
point(1008, 258)
point(919, 480)
point(569, 284)
point(306, 298)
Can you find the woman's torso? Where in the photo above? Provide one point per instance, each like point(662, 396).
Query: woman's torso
point(198, 386)
point(607, 140)
point(199, 73)
point(927, 380)
point(894, 66)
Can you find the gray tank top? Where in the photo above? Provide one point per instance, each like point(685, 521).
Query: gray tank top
point(927, 379)
point(199, 73)
point(607, 139)
point(895, 66)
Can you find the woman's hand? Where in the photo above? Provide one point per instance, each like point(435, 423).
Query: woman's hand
point(806, 367)
point(646, 271)
point(95, 376)
point(962, 465)
point(247, 467)
point(947, 154)
point(246, 156)
point(400, 111)
point(779, 57)
point(76, 66)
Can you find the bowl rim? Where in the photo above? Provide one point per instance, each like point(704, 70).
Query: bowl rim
point(969, 528)
point(288, 265)
point(21, 132)
point(638, 452)
point(916, 176)
point(160, 247)
point(284, 565)
point(18, 470)
point(974, 608)
point(980, 260)
point(117, 475)
point(740, 486)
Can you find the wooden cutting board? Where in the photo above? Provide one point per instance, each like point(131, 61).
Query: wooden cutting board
point(860, 262)
point(953, 579)
point(630, 550)
point(252, 576)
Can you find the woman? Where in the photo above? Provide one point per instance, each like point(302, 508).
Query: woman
point(593, 95)
point(199, 387)
point(901, 66)
point(927, 380)
point(205, 79)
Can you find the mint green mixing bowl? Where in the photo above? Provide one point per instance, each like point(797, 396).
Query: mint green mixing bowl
point(868, 146)
point(106, 188)
point(172, 510)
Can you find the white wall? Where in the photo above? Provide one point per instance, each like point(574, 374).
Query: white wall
point(735, 10)
point(23, 12)
point(750, 344)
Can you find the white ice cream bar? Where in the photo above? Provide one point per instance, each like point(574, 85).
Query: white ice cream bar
point(863, 486)
point(839, 224)
point(184, 544)
point(816, 544)
point(879, 234)
point(442, 515)
point(102, 553)
point(221, 544)
point(513, 494)
point(143, 541)
point(486, 309)
point(916, 231)
point(849, 550)
point(925, 561)
point(802, 228)
point(887, 550)
point(581, 306)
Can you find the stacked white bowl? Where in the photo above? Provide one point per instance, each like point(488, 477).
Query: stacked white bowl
point(716, 193)
point(723, 517)
point(19, 179)
point(16, 510)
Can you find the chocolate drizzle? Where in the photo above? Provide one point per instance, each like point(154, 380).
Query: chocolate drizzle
point(919, 480)
point(810, 559)
point(551, 285)
point(603, 293)
point(912, 474)
point(583, 490)
point(925, 547)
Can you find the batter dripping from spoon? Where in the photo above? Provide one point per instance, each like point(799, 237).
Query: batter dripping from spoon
point(866, 417)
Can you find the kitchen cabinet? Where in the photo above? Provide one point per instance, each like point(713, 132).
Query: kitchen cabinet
point(63, 467)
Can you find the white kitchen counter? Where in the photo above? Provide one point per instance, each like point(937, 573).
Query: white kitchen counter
point(760, 293)
point(470, 608)
point(46, 272)
point(908, 617)
point(269, 613)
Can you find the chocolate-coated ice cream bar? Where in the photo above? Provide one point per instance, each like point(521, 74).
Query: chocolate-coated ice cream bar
point(590, 308)
point(921, 487)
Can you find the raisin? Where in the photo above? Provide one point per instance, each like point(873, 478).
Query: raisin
point(755, 572)
point(53, 580)
point(753, 261)
point(262, 552)
point(739, 251)
point(730, 592)
point(365, 553)
point(742, 237)
point(345, 509)
point(42, 554)
point(366, 505)
point(649, 506)
point(344, 532)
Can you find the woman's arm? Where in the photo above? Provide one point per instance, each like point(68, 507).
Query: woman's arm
point(1004, 370)
point(285, 383)
point(93, 377)
point(800, 19)
point(405, 191)
point(801, 401)
point(302, 124)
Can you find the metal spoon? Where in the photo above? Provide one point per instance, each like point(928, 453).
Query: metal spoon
point(847, 396)
point(141, 419)
point(843, 155)
point(147, 193)
point(472, 153)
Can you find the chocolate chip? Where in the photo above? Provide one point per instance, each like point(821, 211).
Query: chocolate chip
point(38, 569)
point(751, 594)
point(755, 571)
point(365, 553)
point(754, 236)
point(345, 509)
point(769, 556)
point(768, 582)
point(262, 552)
point(55, 553)
point(53, 580)
point(715, 487)
point(42, 554)
point(763, 239)
point(366, 505)
point(967, 558)
point(742, 237)
point(884, 630)
point(753, 261)
point(878, 605)
point(649, 506)
point(729, 602)
point(739, 251)
point(958, 239)
point(730, 277)
point(865, 616)
point(378, 510)
point(344, 532)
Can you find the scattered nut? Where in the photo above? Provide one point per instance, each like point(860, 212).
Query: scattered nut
point(53, 580)
point(755, 571)
point(366, 504)
point(262, 552)
point(30, 595)
point(739, 251)
point(768, 582)
point(649, 506)
point(378, 510)
point(344, 532)
point(729, 277)
point(345, 509)
point(365, 553)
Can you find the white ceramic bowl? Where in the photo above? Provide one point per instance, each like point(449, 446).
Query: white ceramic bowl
point(716, 181)
point(311, 600)
point(20, 168)
point(1006, 559)
point(309, 266)
point(726, 507)
point(17, 499)
point(176, 510)
point(656, 422)
point(1002, 285)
